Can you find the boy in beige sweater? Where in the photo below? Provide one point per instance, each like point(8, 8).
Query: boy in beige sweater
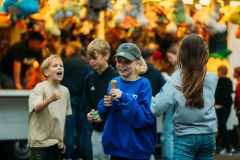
point(49, 103)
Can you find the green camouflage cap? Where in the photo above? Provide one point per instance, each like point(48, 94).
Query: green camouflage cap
point(129, 51)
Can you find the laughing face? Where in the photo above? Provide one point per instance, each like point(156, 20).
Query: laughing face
point(55, 71)
point(127, 68)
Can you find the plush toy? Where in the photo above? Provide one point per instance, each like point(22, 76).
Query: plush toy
point(218, 59)
point(176, 14)
point(237, 33)
point(210, 17)
point(20, 8)
point(85, 28)
point(232, 15)
point(58, 13)
point(93, 7)
point(156, 16)
point(131, 8)
point(4, 20)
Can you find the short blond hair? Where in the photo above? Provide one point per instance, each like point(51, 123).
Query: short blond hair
point(75, 45)
point(48, 61)
point(98, 46)
point(142, 67)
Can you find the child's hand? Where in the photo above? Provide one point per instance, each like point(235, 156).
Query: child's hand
point(55, 96)
point(63, 149)
point(97, 119)
point(107, 101)
point(116, 93)
point(90, 117)
point(153, 98)
point(164, 74)
point(217, 106)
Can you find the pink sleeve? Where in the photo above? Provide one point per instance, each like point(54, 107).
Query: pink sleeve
point(237, 97)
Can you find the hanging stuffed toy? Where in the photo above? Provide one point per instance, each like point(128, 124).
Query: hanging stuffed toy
point(19, 8)
point(133, 8)
point(210, 17)
point(156, 16)
point(218, 59)
point(93, 8)
point(5, 21)
point(232, 15)
point(59, 12)
point(176, 14)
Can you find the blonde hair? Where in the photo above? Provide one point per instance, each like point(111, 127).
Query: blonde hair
point(98, 46)
point(142, 67)
point(48, 61)
point(75, 45)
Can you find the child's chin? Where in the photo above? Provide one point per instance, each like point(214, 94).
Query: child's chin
point(58, 79)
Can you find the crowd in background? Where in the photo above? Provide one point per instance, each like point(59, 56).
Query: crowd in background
point(80, 129)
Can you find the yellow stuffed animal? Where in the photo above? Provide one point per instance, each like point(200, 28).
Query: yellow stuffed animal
point(218, 59)
point(232, 15)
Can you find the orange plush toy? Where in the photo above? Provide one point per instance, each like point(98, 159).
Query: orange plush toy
point(4, 20)
point(237, 33)
point(21, 26)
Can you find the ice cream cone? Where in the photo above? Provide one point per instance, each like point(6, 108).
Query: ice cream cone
point(113, 86)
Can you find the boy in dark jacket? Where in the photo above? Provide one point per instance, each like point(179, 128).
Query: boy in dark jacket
point(96, 84)
point(223, 103)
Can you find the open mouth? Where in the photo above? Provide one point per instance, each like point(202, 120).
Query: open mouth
point(59, 73)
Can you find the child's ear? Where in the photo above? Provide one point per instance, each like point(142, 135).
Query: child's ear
point(46, 73)
point(138, 63)
point(107, 56)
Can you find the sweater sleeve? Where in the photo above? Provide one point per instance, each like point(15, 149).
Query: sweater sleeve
point(163, 100)
point(137, 109)
point(104, 111)
point(89, 105)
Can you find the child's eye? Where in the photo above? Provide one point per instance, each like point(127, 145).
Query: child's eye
point(128, 61)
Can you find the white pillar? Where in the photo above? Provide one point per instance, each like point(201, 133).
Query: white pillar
point(234, 60)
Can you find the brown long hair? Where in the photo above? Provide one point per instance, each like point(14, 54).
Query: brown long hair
point(192, 59)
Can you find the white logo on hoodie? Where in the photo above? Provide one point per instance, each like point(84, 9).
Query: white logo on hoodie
point(92, 89)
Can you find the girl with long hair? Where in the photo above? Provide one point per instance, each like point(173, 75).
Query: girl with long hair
point(191, 92)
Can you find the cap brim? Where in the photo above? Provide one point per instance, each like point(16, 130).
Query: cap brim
point(125, 55)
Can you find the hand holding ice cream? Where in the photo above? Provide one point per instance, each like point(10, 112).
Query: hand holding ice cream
point(115, 93)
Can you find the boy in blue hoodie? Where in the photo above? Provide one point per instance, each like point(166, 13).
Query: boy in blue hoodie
point(130, 128)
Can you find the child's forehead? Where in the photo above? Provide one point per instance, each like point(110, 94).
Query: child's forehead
point(56, 61)
point(93, 55)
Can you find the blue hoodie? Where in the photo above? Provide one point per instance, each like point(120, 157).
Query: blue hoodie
point(130, 129)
